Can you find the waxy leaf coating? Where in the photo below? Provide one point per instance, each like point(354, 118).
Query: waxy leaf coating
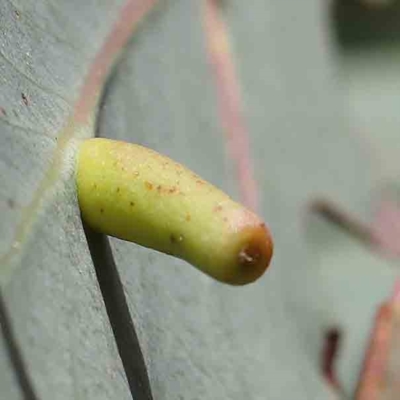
point(136, 194)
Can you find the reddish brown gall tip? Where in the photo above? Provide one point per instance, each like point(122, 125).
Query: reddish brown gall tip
point(254, 256)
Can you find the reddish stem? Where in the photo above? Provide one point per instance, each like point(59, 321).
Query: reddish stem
point(229, 103)
point(377, 377)
point(130, 15)
point(386, 227)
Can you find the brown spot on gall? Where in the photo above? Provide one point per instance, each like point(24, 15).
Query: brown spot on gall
point(218, 208)
point(188, 217)
point(149, 186)
point(118, 189)
point(173, 239)
point(172, 190)
point(131, 203)
point(101, 210)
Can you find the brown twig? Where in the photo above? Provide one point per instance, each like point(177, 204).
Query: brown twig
point(340, 218)
point(329, 354)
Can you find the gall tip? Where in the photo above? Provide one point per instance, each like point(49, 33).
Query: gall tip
point(254, 255)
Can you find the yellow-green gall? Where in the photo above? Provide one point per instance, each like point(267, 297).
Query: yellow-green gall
point(134, 193)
